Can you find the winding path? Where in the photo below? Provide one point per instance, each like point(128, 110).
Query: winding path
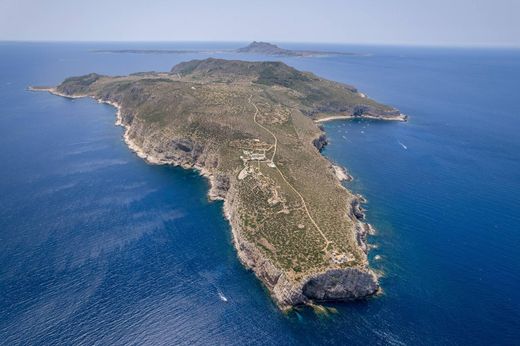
point(327, 242)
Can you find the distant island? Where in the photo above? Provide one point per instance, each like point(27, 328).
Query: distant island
point(265, 48)
point(259, 48)
point(251, 129)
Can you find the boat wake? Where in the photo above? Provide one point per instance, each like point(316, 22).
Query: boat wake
point(404, 146)
point(222, 296)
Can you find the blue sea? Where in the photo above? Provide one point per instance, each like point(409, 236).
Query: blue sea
point(99, 248)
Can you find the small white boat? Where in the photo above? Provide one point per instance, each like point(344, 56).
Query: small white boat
point(222, 296)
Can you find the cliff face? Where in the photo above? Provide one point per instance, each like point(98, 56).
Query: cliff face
point(157, 147)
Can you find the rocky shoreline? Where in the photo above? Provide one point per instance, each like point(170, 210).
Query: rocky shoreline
point(331, 284)
point(341, 173)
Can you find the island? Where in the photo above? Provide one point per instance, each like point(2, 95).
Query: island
point(259, 48)
point(266, 48)
point(252, 129)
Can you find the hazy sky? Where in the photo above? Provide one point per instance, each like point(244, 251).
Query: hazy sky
point(428, 22)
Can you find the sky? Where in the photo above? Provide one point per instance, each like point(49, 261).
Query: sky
point(399, 22)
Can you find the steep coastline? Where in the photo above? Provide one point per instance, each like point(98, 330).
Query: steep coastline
point(331, 284)
point(215, 192)
point(251, 128)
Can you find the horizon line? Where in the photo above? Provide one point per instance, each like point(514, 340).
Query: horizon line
point(391, 44)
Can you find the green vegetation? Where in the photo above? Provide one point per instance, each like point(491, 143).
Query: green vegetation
point(251, 123)
point(273, 74)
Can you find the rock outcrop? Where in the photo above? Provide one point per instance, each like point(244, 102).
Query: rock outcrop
point(320, 142)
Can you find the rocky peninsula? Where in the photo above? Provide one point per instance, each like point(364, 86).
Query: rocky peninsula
point(250, 128)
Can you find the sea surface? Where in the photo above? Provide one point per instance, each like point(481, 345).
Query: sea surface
point(99, 248)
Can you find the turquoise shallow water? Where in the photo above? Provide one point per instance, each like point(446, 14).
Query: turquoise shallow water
point(99, 247)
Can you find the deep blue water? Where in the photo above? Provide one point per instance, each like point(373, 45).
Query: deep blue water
point(97, 247)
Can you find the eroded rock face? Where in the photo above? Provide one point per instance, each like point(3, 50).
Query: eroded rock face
point(320, 142)
point(341, 284)
point(220, 186)
point(357, 210)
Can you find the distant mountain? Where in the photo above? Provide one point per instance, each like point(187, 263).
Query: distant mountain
point(266, 48)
